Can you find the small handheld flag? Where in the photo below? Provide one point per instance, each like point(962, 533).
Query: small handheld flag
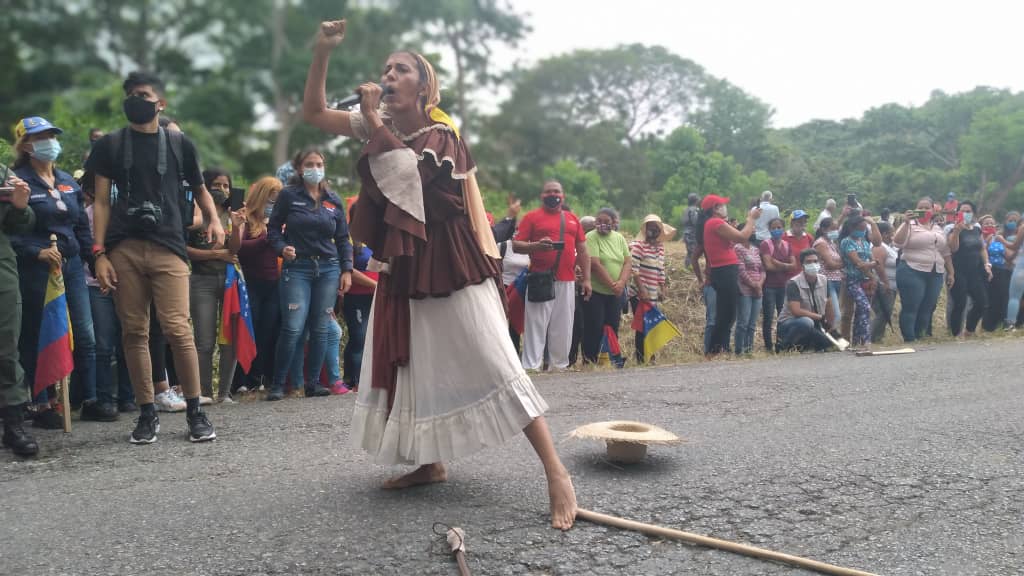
point(656, 329)
point(236, 321)
point(610, 352)
point(54, 361)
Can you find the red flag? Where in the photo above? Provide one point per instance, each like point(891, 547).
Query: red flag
point(638, 315)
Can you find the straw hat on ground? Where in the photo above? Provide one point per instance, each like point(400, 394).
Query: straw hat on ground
point(627, 441)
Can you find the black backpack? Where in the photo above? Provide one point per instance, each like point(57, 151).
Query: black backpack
point(174, 140)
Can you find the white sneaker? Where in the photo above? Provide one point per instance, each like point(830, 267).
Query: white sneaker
point(205, 400)
point(226, 400)
point(176, 392)
point(168, 401)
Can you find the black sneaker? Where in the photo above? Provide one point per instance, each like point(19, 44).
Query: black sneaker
point(98, 412)
point(199, 428)
point(146, 428)
point(48, 420)
point(275, 394)
point(127, 407)
point(317, 391)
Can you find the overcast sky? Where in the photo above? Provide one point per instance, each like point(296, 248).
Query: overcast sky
point(821, 59)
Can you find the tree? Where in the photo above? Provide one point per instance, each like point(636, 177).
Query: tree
point(734, 123)
point(993, 152)
point(583, 189)
point(470, 30)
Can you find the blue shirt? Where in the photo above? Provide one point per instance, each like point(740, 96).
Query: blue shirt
point(362, 258)
point(59, 210)
point(862, 248)
point(319, 232)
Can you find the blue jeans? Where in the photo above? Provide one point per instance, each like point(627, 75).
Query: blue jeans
point(33, 277)
point(356, 309)
point(834, 288)
point(107, 329)
point(1016, 293)
point(771, 305)
point(332, 353)
point(329, 362)
point(919, 294)
point(748, 308)
point(308, 291)
point(710, 305)
point(800, 333)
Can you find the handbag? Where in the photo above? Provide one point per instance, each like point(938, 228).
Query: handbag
point(540, 286)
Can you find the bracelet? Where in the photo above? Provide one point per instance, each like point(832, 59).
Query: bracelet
point(98, 254)
point(97, 249)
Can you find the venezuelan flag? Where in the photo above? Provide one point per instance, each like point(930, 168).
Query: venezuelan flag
point(236, 319)
point(515, 293)
point(656, 329)
point(610, 352)
point(56, 342)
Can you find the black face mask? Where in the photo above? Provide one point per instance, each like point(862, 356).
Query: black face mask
point(138, 110)
point(552, 202)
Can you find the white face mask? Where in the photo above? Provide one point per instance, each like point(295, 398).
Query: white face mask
point(722, 211)
point(812, 269)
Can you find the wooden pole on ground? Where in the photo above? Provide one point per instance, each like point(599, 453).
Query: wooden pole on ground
point(65, 402)
point(761, 553)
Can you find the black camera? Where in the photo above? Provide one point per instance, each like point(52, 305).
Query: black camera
point(145, 218)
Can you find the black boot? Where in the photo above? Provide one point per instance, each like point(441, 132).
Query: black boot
point(15, 436)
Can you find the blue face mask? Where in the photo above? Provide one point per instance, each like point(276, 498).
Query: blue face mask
point(859, 233)
point(1011, 226)
point(833, 235)
point(269, 209)
point(46, 150)
point(313, 175)
point(777, 233)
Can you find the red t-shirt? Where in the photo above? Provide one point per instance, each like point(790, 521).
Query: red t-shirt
point(539, 224)
point(798, 245)
point(718, 250)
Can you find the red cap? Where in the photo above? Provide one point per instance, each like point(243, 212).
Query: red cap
point(710, 201)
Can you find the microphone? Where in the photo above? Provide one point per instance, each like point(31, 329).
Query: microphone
point(352, 100)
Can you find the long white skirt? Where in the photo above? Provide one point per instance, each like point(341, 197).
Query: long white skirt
point(463, 390)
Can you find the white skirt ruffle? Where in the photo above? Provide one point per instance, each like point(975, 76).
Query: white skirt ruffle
point(463, 390)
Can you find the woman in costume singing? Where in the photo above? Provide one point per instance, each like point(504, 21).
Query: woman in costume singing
point(424, 400)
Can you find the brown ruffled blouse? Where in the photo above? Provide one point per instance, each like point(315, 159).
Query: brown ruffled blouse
point(430, 258)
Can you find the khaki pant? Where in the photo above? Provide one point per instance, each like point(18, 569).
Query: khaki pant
point(149, 273)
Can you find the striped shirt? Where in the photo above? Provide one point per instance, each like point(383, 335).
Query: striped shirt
point(649, 267)
point(751, 268)
point(831, 275)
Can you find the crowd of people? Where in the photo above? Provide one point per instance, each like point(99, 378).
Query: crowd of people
point(145, 239)
point(143, 254)
point(844, 278)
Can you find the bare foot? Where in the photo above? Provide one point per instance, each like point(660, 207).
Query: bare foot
point(563, 501)
point(427, 474)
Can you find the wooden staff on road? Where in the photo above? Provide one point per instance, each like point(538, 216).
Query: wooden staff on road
point(754, 552)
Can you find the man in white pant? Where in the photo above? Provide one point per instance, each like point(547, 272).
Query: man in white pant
point(551, 235)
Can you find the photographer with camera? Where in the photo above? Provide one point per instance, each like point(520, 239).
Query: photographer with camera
point(15, 218)
point(141, 198)
point(59, 207)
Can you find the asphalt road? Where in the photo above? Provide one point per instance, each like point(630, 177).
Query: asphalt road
point(906, 465)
